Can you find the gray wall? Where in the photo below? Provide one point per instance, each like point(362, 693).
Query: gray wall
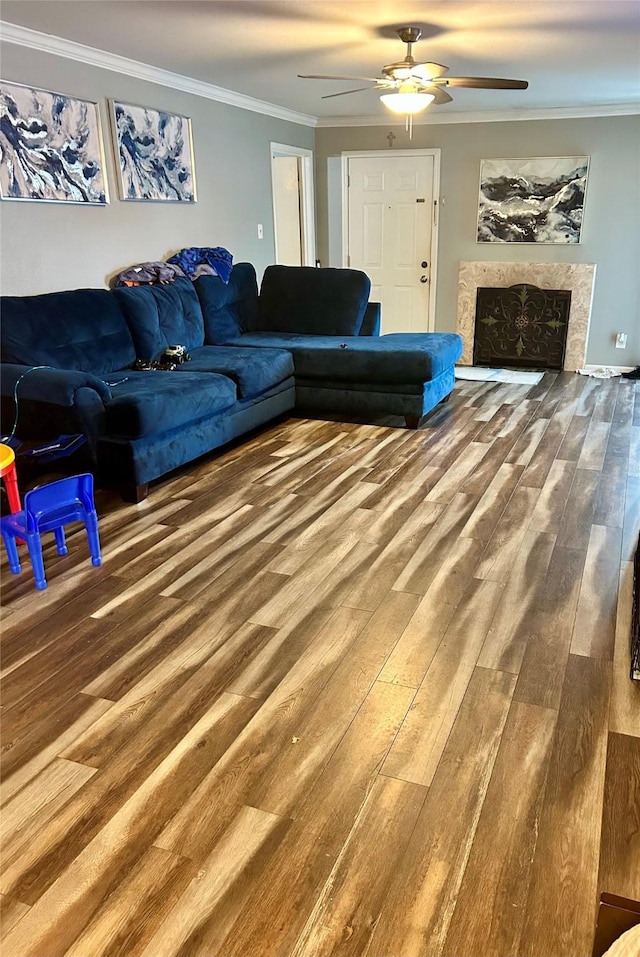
point(51, 246)
point(611, 231)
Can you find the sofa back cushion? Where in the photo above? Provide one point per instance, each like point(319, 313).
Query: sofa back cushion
point(229, 309)
point(162, 315)
point(319, 302)
point(81, 329)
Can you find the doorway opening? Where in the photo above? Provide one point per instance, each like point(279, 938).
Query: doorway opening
point(293, 205)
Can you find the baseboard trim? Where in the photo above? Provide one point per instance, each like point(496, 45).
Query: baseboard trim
point(592, 366)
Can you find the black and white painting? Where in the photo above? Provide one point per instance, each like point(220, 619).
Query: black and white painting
point(154, 154)
point(538, 200)
point(50, 147)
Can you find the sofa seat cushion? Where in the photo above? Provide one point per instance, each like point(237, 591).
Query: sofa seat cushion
point(83, 330)
point(253, 370)
point(398, 357)
point(303, 299)
point(146, 403)
point(162, 315)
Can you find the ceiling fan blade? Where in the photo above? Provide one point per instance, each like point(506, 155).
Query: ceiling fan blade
point(428, 71)
point(439, 95)
point(320, 76)
point(328, 96)
point(482, 82)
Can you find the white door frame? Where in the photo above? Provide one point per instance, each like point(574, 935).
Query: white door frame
point(435, 217)
point(307, 198)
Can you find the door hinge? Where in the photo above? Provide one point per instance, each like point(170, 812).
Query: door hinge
point(435, 212)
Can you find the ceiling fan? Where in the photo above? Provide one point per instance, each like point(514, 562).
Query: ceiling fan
point(413, 86)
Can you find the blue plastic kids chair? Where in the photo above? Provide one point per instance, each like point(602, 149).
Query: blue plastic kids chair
point(48, 509)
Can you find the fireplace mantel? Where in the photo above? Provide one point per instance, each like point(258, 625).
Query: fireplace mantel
point(579, 278)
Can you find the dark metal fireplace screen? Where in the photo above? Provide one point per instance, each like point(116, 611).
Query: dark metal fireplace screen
point(521, 326)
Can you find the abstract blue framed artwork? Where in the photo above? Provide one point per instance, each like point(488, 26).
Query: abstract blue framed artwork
point(537, 200)
point(154, 154)
point(50, 147)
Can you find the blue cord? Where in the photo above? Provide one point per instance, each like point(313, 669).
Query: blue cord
point(7, 438)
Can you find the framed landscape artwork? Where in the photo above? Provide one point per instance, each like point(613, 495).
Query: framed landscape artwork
point(538, 200)
point(154, 154)
point(50, 147)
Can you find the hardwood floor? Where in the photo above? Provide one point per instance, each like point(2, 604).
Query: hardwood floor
point(342, 689)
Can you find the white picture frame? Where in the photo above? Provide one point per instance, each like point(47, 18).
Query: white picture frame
point(532, 200)
point(51, 147)
point(154, 154)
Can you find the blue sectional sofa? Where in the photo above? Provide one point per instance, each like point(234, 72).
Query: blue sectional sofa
point(309, 340)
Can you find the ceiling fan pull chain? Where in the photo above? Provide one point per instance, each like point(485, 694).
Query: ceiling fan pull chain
point(410, 125)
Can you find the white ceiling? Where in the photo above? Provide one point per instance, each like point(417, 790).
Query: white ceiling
point(574, 53)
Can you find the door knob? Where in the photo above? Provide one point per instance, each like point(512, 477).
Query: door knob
point(424, 263)
point(424, 279)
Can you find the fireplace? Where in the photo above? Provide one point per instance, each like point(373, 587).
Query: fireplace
point(521, 326)
point(578, 278)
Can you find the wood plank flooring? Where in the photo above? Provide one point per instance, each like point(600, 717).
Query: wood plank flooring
point(340, 689)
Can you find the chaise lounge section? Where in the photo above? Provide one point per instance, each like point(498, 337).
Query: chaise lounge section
point(323, 318)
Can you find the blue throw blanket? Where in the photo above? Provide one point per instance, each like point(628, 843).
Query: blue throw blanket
point(217, 258)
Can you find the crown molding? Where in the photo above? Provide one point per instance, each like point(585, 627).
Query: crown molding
point(58, 46)
point(488, 116)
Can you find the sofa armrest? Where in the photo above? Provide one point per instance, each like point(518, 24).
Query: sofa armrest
point(46, 402)
point(45, 384)
point(371, 322)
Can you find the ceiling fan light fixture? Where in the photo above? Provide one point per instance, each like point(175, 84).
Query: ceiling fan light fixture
point(407, 103)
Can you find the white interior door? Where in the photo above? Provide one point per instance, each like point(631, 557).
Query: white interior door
point(391, 223)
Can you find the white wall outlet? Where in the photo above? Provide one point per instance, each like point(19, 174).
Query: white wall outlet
point(260, 231)
point(621, 340)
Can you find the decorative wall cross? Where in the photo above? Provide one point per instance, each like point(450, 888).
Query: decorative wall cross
point(391, 137)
